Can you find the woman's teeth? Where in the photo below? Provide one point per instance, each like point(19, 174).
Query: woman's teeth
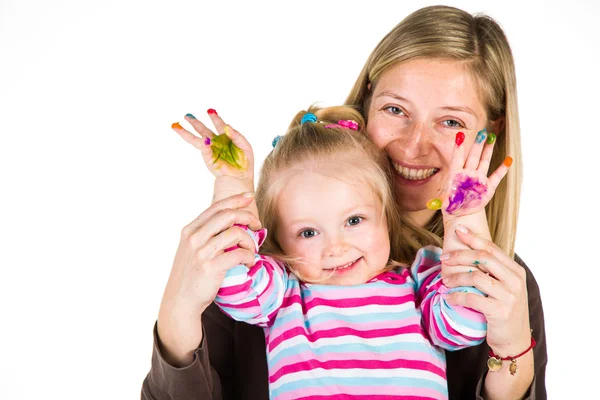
point(414, 174)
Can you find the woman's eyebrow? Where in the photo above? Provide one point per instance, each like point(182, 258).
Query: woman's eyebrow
point(460, 109)
point(393, 95)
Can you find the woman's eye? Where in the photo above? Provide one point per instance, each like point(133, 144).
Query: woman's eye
point(354, 220)
point(308, 233)
point(452, 123)
point(394, 110)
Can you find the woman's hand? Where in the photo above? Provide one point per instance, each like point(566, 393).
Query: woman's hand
point(503, 280)
point(199, 268)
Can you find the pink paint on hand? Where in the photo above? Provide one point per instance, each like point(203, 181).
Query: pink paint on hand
point(466, 193)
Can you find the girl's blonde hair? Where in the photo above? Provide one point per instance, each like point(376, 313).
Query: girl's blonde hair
point(479, 43)
point(348, 155)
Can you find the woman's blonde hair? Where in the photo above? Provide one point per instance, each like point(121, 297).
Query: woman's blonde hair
point(480, 44)
point(347, 155)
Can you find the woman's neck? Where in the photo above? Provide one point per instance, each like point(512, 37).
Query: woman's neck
point(420, 218)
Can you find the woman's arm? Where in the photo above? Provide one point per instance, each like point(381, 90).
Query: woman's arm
point(506, 309)
point(198, 270)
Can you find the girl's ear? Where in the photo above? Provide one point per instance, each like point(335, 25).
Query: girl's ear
point(497, 126)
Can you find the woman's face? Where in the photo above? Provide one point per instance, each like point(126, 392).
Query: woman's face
point(416, 111)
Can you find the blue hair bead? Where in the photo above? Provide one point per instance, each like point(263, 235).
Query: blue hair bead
point(276, 140)
point(309, 117)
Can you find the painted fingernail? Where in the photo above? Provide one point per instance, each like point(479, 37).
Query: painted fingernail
point(491, 138)
point(226, 131)
point(175, 125)
point(207, 141)
point(470, 270)
point(508, 161)
point(212, 111)
point(434, 204)
point(480, 136)
point(444, 256)
point(248, 194)
point(461, 229)
point(190, 116)
point(460, 137)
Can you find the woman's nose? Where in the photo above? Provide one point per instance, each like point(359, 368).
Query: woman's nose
point(414, 140)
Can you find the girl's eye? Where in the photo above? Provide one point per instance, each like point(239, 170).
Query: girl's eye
point(394, 110)
point(308, 233)
point(452, 123)
point(354, 220)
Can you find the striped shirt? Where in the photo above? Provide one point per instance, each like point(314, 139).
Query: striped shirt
point(383, 339)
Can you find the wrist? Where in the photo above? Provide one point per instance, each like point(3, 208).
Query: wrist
point(513, 348)
point(227, 186)
point(178, 336)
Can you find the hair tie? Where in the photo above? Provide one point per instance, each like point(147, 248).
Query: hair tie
point(345, 123)
point(276, 140)
point(308, 117)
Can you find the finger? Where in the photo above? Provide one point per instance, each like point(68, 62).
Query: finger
point(496, 177)
point(469, 260)
point(235, 257)
point(475, 153)
point(232, 237)
point(457, 161)
point(189, 137)
point(216, 120)
point(452, 269)
point(484, 282)
point(456, 164)
point(199, 126)
point(476, 242)
point(476, 301)
point(486, 156)
point(219, 223)
point(230, 203)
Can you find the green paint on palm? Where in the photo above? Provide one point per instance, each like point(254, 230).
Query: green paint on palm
point(223, 149)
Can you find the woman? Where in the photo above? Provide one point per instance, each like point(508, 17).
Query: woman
point(437, 72)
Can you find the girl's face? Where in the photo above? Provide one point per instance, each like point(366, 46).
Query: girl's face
point(416, 110)
point(336, 227)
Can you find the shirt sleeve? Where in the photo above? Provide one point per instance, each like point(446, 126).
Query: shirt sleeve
point(195, 381)
point(254, 295)
point(449, 327)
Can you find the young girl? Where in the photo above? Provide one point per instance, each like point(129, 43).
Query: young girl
point(344, 314)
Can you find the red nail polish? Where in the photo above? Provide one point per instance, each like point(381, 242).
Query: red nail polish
point(212, 111)
point(460, 138)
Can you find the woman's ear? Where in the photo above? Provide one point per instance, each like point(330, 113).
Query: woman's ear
point(497, 126)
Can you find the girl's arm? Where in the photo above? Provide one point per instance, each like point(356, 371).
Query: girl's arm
point(227, 155)
point(449, 327)
point(469, 190)
point(253, 295)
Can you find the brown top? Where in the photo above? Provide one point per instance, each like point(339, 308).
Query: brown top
point(231, 362)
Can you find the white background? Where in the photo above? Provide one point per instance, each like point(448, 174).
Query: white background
point(95, 187)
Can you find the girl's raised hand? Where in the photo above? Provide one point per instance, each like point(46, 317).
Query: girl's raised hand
point(225, 154)
point(469, 189)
